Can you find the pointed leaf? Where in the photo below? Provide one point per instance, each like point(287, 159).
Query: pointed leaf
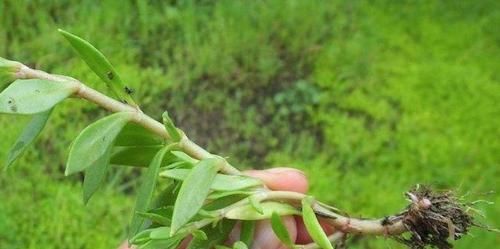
point(312, 225)
point(194, 191)
point(94, 175)
point(221, 182)
point(100, 65)
point(247, 232)
point(33, 96)
point(247, 212)
point(93, 142)
point(29, 134)
point(145, 192)
point(280, 230)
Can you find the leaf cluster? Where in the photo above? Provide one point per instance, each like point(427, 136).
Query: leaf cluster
point(200, 200)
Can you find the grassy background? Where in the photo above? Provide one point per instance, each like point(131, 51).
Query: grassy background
point(367, 97)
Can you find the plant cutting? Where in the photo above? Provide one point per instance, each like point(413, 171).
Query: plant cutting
point(188, 192)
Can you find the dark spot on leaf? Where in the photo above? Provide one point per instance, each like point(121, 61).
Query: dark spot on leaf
point(12, 105)
point(37, 91)
point(110, 75)
point(128, 90)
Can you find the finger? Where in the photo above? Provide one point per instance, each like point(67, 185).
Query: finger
point(265, 238)
point(286, 179)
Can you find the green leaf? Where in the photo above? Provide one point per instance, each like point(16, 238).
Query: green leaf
point(256, 204)
point(221, 182)
point(312, 225)
point(199, 234)
point(223, 202)
point(8, 70)
point(240, 245)
point(33, 96)
point(280, 230)
point(29, 134)
point(247, 212)
point(136, 135)
point(166, 197)
point(136, 156)
point(221, 194)
point(194, 191)
point(160, 216)
point(174, 133)
point(216, 235)
point(93, 142)
point(100, 65)
point(160, 233)
point(141, 237)
point(145, 192)
point(94, 175)
point(247, 232)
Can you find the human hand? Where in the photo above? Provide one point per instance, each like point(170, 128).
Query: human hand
point(284, 179)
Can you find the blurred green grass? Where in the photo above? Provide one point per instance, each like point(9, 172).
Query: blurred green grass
point(367, 97)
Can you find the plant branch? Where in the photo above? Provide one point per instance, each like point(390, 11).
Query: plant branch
point(113, 105)
point(342, 223)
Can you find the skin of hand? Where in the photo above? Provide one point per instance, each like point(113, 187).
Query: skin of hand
point(285, 179)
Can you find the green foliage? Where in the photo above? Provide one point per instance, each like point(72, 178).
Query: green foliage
point(247, 232)
point(281, 231)
point(357, 94)
point(8, 71)
point(95, 175)
point(220, 183)
point(134, 135)
point(94, 142)
point(312, 225)
point(145, 192)
point(193, 192)
point(33, 96)
point(100, 65)
point(28, 136)
point(248, 212)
